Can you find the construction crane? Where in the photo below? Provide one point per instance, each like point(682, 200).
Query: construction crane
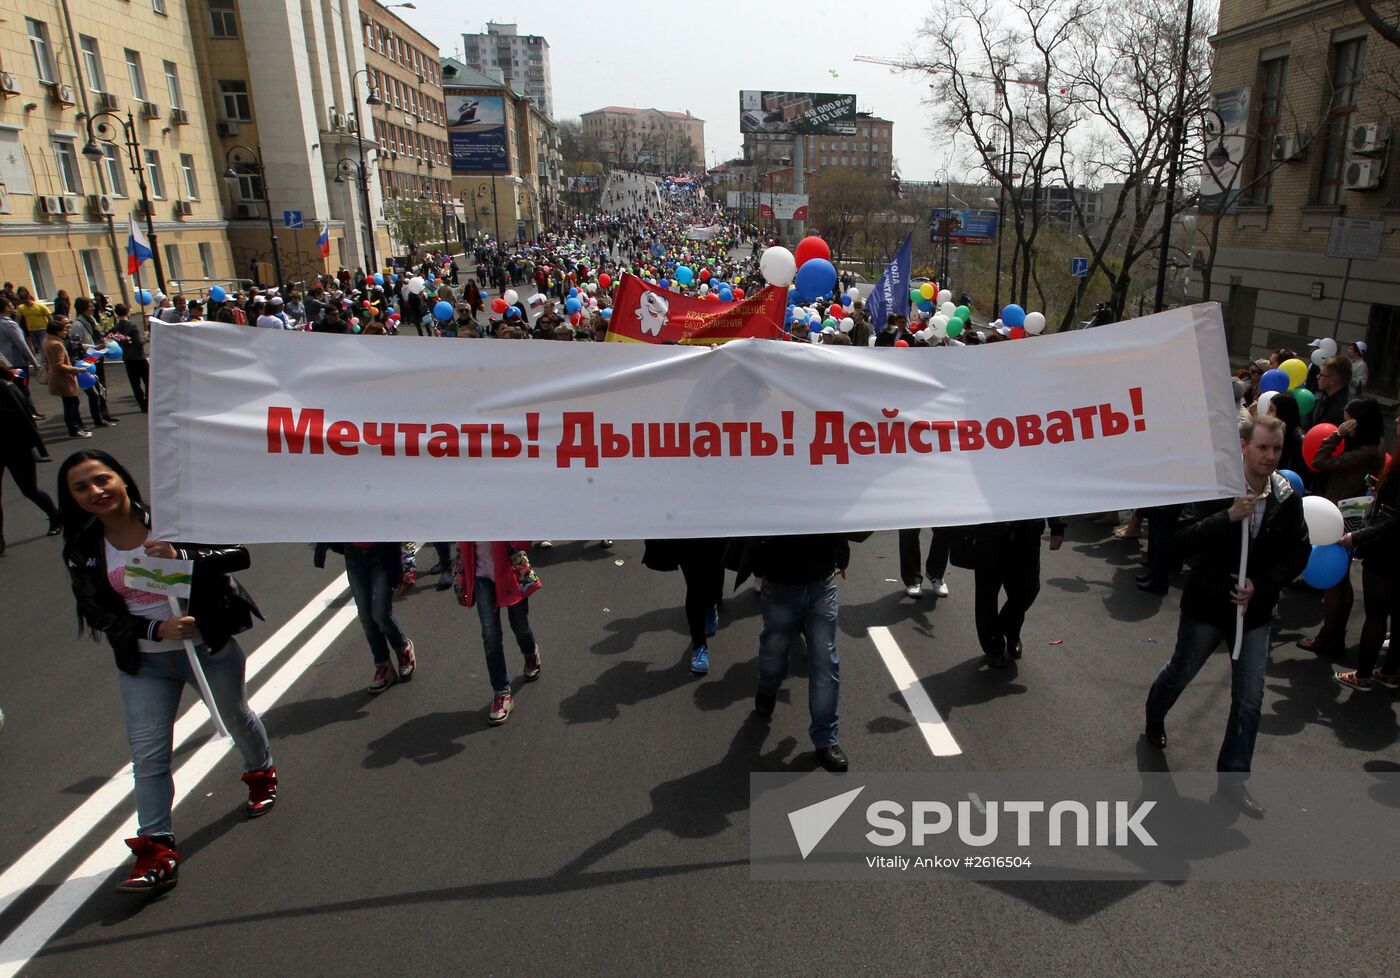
point(1037, 83)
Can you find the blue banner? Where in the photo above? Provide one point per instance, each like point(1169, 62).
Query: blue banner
point(963, 227)
point(891, 295)
point(476, 134)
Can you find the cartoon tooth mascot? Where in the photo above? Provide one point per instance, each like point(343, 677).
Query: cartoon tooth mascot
point(651, 313)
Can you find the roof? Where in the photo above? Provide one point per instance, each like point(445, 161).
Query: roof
point(625, 110)
point(455, 74)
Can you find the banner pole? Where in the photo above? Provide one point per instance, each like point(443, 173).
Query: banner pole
point(198, 670)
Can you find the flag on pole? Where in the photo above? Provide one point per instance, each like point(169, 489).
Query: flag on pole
point(324, 242)
point(891, 294)
point(138, 249)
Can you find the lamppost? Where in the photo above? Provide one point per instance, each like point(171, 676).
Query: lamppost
point(947, 222)
point(1173, 163)
point(372, 99)
point(100, 129)
point(255, 165)
point(345, 167)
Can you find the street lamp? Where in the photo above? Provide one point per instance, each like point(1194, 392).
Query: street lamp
point(254, 164)
point(102, 127)
point(1174, 164)
point(372, 99)
point(947, 222)
point(347, 167)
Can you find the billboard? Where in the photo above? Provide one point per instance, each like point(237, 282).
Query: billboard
point(1226, 144)
point(784, 207)
point(962, 227)
point(476, 133)
point(797, 112)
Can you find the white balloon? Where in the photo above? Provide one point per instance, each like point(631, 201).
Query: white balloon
point(1318, 357)
point(1265, 399)
point(853, 292)
point(940, 327)
point(511, 297)
point(704, 288)
point(778, 266)
point(847, 324)
point(1035, 323)
point(945, 298)
point(1324, 520)
point(1328, 347)
point(947, 308)
point(416, 284)
point(941, 321)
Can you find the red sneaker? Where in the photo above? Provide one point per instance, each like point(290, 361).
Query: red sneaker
point(157, 866)
point(384, 676)
point(407, 662)
point(532, 665)
point(262, 791)
point(501, 705)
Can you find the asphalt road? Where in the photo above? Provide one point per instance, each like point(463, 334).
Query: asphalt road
point(604, 829)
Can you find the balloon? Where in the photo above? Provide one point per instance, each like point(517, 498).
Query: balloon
point(354, 327)
point(1017, 332)
point(812, 247)
point(915, 296)
point(816, 277)
point(1011, 315)
point(1274, 380)
point(592, 303)
point(442, 312)
point(853, 292)
point(704, 274)
point(954, 328)
point(512, 313)
point(1318, 358)
point(847, 324)
point(947, 308)
point(944, 296)
point(605, 313)
point(90, 366)
point(726, 294)
point(114, 350)
point(1265, 399)
point(415, 285)
point(1327, 347)
point(847, 301)
point(828, 321)
point(378, 278)
point(354, 321)
point(665, 283)
point(498, 306)
point(143, 297)
point(1312, 441)
point(926, 306)
point(511, 297)
point(573, 305)
point(575, 319)
point(711, 297)
point(1294, 479)
point(901, 343)
point(1306, 399)
point(1327, 565)
point(573, 293)
point(217, 294)
point(684, 275)
point(704, 289)
point(1035, 323)
point(927, 291)
point(605, 280)
point(1324, 520)
point(1296, 370)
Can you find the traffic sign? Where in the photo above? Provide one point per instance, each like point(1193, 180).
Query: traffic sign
point(1079, 267)
point(293, 221)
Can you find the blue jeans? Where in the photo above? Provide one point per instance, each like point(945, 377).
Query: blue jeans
point(493, 639)
point(374, 600)
point(1195, 641)
point(151, 699)
point(811, 609)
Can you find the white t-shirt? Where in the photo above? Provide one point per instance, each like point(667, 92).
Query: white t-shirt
point(270, 322)
point(142, 603)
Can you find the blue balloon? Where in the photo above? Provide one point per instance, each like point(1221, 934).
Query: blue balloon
point(573, 293)
point(1327, 565)
point(378, 278)
point(1274, 380)
point(21, 374)
point(143, 297)
point(512, 312)
point(926, 305)
point(87, 381)
point(605, 313)
point(726, 295)
point(816, 277)
point(847, 301)
point(90, 366)
point(217, 294)
point(684, 275)
point(1294, 480)
point(442, 312)
point(1013, 316)
point(665, 283)
point(114, 350)
point(573, 305)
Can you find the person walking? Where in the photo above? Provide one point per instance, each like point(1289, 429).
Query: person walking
point(374, 571)
point(490, 576)
point(105, 525)
point(63, 376)
point(19, 440)
point(1006, 556)
point(1209, 534)
point(936, 566)
point(138, 371)
point(701, 563)
point(34, 317)
point(85, 334)
point(1377, 544)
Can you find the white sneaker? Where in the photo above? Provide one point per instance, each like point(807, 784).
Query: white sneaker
point(914, 591)
point(939, 589)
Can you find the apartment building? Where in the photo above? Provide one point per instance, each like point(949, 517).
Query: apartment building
point(648, 139)
point(523, 60)
point(870, 148)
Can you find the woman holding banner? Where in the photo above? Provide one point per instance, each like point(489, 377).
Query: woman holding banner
point(105, 526)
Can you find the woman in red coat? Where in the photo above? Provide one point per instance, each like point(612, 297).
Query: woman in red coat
point(492, 576)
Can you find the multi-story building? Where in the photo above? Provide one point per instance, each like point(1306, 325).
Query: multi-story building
point(89, 88)
point(870, 148)
point(1306, 90)
point(649, 139)
point(409, 114)
point(504, 151)
point(523, 60)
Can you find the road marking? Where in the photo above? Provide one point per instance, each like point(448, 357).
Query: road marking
point(936, 733)
point(30, 867)
point(29, 938)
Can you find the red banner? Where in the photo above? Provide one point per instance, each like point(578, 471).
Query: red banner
point(643, 313)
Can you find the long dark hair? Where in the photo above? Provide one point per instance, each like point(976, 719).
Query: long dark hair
point(1285, 407)
point(1370, 428)
point(75, 518)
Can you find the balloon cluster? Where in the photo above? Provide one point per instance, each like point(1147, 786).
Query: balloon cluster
point(1329, 561)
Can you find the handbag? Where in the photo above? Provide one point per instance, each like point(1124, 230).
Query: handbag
point(525, 575)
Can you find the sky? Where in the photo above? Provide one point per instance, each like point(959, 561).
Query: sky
point(645, 56)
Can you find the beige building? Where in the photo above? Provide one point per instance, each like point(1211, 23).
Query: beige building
point(64, 218)
point(870, 148)
point(647, 139)
point(1315, 140)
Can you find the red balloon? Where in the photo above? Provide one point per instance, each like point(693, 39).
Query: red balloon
point(738, 294)
point(1312, 441)
point(498, 305)
point(901, 342)
point(605, 280)
point(704, 274)
point(811, 247)
point(574, 318)
point(1018, 332)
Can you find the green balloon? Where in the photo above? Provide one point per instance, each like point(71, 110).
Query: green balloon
point(1305, 400)
point(962, 312)
point(955, 327)
point(915, 296)
point(828, 322)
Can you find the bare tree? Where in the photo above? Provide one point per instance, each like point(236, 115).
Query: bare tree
point(843, 200)
point(412, 223)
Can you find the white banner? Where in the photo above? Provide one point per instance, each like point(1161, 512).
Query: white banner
point(698, 232)
point(264, 436)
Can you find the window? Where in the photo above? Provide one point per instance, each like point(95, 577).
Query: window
point(92, 270)
point(187, 169)
point(250, 186)
point(92, 63)
point(134, 75)
point(1260, 177)
point(155, 180)
point(39, 276)
point(234, 96)
point(1346, 78)
point(66, 162)
point(172, 262)
point(43, 54)
point(172, 85)
point(158, 6)
point(206, 259)
point(223, 19)
point(116, 178)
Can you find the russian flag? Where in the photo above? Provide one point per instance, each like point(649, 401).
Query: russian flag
point(138, 249)
point(325, 242)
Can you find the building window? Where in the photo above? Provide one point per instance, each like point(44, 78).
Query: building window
point(135, 76)
point(234, 96)
point(191, 183)
point(66, 162)
point(1271, 74)
point(172, 85)
point(158, 6)
point(206, 259)
point(43, 53)
point(40, 279)
point(92, 270)
point(92, 63)
point(250, 186)
point(116, 177)
point(172, 262)
point(1346, 78)
point(223, 19)
point(155, 180)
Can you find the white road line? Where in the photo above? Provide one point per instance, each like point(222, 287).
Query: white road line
point(936, 733)
point(29, 938)
point(30, 867)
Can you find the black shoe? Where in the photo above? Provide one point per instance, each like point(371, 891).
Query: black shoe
point(763, 704)
point(1156, 734)
point(1151, 587)
point(438, 568)
point(55, 528)
point(1014, 649)
point(833, 758)
point(110, 420)
point(1237, 795)
point(996, 660)
point(101, 424)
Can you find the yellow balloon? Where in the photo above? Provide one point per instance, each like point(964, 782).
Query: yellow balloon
point(1297, 372)
point(926, 290)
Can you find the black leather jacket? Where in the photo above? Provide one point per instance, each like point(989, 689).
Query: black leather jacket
point(219, 604)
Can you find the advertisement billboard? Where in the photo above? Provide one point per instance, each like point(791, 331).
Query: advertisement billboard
point(476, 133)
point(962, 227)
point(797, 112)
point(784, 207)
point(1226, 144)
